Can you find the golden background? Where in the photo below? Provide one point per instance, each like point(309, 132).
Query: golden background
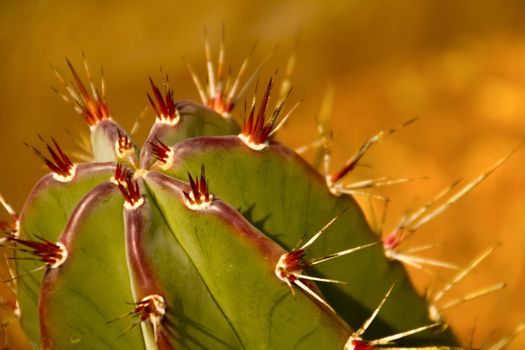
point(458, 65)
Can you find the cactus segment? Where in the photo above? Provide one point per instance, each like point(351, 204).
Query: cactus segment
point(159, 265)
point(236, 262)
point(46, 213)
point(92, 286)
point(267, 191)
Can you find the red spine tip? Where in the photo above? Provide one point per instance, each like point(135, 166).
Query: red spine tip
point(52, 254)
point(127, 185)
point(199, 192)
point(163, 105)
point(124, 144)
point(258, 128)
point(160, 150)
point(58, 162)
point(92, 106)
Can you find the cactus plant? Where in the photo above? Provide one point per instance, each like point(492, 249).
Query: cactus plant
point(211, 235)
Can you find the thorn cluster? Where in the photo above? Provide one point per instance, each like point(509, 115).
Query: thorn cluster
point(62, 167)
point(128, 187)
point(356, 342)
point(333, 179)
point(163, 153)
point(290, 266)
point(220, 94)
point(151, 308)
point(412, 222)
point(435, 311)
point(164, 106)
point(92, 107)
point(123, 145)
point(199, 196)
point(256, 131)
point(52, 254)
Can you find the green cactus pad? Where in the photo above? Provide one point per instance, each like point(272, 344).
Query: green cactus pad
point(79, 298)
point(46, 213)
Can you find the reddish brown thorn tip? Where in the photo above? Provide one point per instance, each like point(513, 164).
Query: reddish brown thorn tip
point(291, 265)
point(121, 173)
point(164, 106)
point(162, 152)
point(59, 163)
point(128, 187)
point(254, 129)
point(151, 308)
point(52, 254)
point(199, 196)
point(257, 130)
point(124, 145)
point(92, 107)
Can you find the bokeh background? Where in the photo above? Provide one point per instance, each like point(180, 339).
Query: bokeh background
point(458, 65)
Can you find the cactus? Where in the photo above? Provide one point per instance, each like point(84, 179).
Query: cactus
point(212, 235)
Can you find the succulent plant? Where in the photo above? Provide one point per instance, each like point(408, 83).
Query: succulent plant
point(212, 235)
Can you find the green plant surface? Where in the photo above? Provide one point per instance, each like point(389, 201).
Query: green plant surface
point(45, 214)
point(78, 299)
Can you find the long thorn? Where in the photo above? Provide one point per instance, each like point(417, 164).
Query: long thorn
point(319, 279)
point(316, 261)
point(369, 321)
point(389, 339)
point(312, 293)
point(323, 229)
point(440, 293)
point(474, 295)
point(466, 189)
point(505, 341)
point(354, 160)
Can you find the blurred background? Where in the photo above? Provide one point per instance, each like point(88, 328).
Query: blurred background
point(457, 65)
